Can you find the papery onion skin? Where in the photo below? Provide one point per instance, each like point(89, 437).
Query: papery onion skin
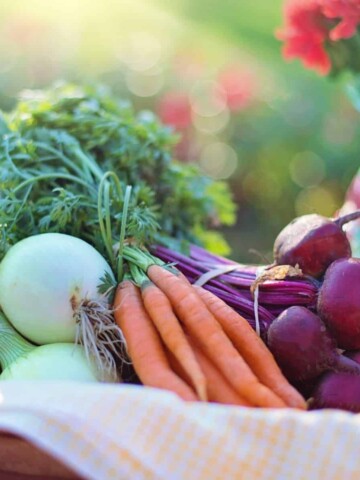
point(58, 361)
point(43, 280)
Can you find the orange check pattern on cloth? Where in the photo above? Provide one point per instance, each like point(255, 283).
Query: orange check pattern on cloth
point(118, 432)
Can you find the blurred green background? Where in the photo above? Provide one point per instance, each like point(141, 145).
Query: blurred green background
point(284, 138)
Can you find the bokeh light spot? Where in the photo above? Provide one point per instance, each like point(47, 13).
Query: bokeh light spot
point(208, 98)
point(339, 130)
point(212, 125)
point(142, 52)
point(239, 84)
point(262, 187)
point(218, 160)
point(300, 111)
point(174, 109)
point(144, 85)
point(316, 200)
point(307, 169)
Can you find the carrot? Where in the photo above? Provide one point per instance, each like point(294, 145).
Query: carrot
point(160, 310)
point(143, 343)
point(203, 327)
point(218, 388)
point(252, 348)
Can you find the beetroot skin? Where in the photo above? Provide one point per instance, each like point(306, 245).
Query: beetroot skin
point(337, 390)
point(302, 346)
point(339, 302)
point(313, 242)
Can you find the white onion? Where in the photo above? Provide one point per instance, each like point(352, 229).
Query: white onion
point(60, 361)
point(43, 279)
point(49, 293)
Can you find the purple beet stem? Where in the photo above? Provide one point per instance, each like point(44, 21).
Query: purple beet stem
point(350, 217)
point(234, 287)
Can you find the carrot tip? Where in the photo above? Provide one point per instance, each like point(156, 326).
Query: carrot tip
point(201, 391)
point(299, 404)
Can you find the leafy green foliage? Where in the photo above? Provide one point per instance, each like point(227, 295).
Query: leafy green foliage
point(108, 286)
point(56, 147)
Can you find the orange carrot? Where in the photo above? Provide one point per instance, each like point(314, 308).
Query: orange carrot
point(218, 388)
point(203, 327)
point(144, 345)
point(252, 348)
point(160, 310)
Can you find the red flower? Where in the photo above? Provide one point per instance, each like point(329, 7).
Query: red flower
point(304, 34)
point(174, 109)
point(347, 11)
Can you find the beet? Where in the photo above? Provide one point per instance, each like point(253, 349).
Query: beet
point(337, 390)
point(313, 242)
point(302, 346)
point(339, 302)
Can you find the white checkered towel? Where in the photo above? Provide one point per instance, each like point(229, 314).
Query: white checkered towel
point(135, 433)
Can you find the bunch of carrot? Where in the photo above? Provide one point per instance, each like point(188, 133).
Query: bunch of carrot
point(183, 338)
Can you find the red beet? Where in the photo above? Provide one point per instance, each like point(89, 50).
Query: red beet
point(339, 302)
point(313, 242)
point(337, 390)
point(302, 346)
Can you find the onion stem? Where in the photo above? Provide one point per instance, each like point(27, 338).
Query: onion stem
point(104, 202)
point(120, 265)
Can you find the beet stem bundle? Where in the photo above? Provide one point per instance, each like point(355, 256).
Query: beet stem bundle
point(234, 286)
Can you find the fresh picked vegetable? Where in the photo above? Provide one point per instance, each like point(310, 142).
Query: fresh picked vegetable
point(49, 290)
point(21, 360)
point(69, 147)
point(339, 302)
point(218, 388)
point(144, 344)
point(77, 162)
point(303, 347)
point(232, 282)
point(313, 242)
point(338, 390)
point(224, 337)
